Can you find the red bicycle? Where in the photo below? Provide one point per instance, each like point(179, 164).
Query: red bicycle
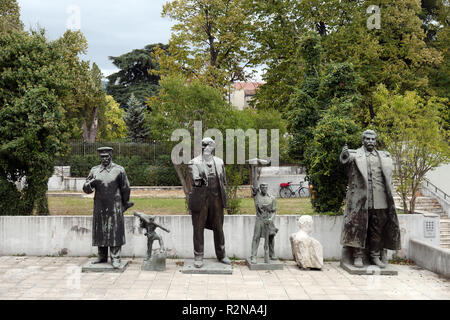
point(286, 190)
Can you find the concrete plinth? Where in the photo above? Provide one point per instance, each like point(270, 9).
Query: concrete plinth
point(261, 265)
point(210, 266)
point(104, 267)
point(369, 269)
point(157, 262)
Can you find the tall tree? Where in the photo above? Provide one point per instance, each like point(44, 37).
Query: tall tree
point(135, 120)
point(10, 16)
point(396, 54)
point(135, 75)
point(411, 129)
point(86, 100)
point(111, 124)
point(34, 81)
point(210, 41)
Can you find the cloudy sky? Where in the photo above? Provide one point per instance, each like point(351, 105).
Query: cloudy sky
point(111, 27)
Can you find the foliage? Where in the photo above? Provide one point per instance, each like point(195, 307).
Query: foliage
point(411, 129)
point(111, 124)
point(396, 55)
point(135, 75)
point(139, 171)
point(32, 84)
point(180, 103)
point(10, 16)
point(210, 41)
point(325, 173)
point(138, 130)
point(336, 127)
point(234, 180)
point(85, 100)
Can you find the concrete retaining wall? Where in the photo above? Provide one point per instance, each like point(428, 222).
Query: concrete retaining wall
point(430, 257)
point(71, 235)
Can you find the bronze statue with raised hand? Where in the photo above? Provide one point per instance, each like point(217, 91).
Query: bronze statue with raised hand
point(370, 220)
point(148, 223)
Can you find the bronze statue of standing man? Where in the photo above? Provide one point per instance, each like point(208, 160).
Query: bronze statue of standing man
point(207, 201)
point(111, 200)
point(370, 219)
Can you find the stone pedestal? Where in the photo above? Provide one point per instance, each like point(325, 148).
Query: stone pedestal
point(261, 265)
point(368, 269)
point(157, 262)
point(104, 267)
point(210, 266)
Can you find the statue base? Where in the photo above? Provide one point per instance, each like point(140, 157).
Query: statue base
point(157, 262)
point(210, 266)
point(104, 267)
point(261, 265)
point(368, 269)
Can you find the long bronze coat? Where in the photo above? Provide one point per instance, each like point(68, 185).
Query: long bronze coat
point(354, 231)
point(111, 197)
point(197, 197)
point(265, 206)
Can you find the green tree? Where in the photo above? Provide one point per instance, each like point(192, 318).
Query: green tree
point(135, 120)
point(85, 101)
point(303, 110)
point(396, 55)
point(325, 174)
point(210, 41)
point(33, 83)
point(112, 126)
point(135, 75)
point(10, 16)
point(179, 104)
point(338, 98)
point(411, 129)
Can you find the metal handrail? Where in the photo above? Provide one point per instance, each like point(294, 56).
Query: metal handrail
point(436, 188)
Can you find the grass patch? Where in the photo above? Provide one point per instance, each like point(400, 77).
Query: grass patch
point(165, 206)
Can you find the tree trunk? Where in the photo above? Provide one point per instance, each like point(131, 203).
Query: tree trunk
point(185, 180)
point(89, 134)
point(94, 126)
point(85, 131)
point(405, 205)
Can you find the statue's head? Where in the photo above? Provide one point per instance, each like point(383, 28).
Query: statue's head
point(105, 155)
point(208, 146)
point(263, 188)
point(305, 223)
point(369, 139)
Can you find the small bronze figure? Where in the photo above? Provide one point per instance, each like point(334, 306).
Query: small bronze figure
point(111, 200)
point(370, 219)
point(148, 223)
point(266, 207)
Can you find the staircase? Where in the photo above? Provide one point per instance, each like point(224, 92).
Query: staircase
point(424, 204)
point(431, 205)
point(445, 233)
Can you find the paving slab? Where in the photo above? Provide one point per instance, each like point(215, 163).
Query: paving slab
point(32, 281)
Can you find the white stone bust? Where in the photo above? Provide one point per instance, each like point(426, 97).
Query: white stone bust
point(307, 251)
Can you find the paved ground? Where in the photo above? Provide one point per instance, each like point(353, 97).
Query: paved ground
point(61, 278)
